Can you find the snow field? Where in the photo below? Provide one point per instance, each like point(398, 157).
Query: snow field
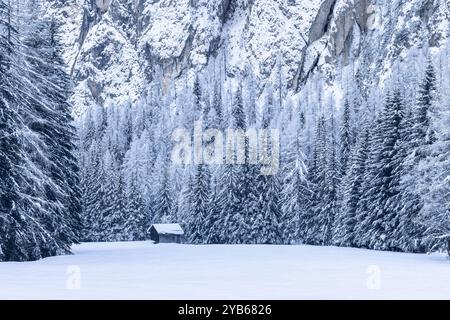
point(142, 270)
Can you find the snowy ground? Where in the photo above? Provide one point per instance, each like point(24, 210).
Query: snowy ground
point(141, 270)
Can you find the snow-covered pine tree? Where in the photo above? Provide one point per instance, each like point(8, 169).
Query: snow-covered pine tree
point(162, 210)
point(280, 82)
point(197, 97)
point(266, 226)
point(126, 130)
point(346, 220)
point(238, 111)
point(408, 233)
point(52, 121)
point(251, 97)
point(246, 188)
point(296, 192)
point(164, 203)
point(363, 216)
point(431, 175)
point(332, 180)
point(227, 203)
point(250, 196)
point(433, 183)
point(137, 222)
point(112, 217)
point(379, 222)
point(317, 169)
point(66, 137)
point(199, 198)
point(93, 193)
point(346, 138)
point(417, 135)
point(213, 226)
point(43, 220)
point(216, 121)
point(230, 209)
point(86, 132)
point(12, 238)
point(423, 132)
point(12, 244)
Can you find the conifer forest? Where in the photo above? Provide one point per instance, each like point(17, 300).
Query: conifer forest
point(92, 94)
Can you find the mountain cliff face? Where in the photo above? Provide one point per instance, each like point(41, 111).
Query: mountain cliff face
point(113, 46)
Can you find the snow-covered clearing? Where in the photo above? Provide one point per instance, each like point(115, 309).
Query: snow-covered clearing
point(142, 270)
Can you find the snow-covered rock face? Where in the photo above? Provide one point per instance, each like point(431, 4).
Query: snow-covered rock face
point(372, 34)
point(113, 46)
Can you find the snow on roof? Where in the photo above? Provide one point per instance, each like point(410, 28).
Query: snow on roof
point(169, 228)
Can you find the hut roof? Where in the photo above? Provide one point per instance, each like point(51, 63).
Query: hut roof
point(169, 228)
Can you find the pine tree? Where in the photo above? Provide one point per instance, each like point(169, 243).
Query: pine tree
point(11, 244)
point(93, 194)
point(346, 221)
point(137, 220)
point(199, 198)
point(332, 179)
point(164, 202)
point(40, 211)
point(416, 135)
point(251, 107)
point(408, 234)
point(135, 226)
point(266, 225)
point(213, 222)
point(280, 81)
point(380, 220)
point(197, 97)
point(112, 211)
point(232, 215)
point(346, 138)
point(317, 178)
point(54, 125)
point(246, 209)
point(423, 132)
point(296, 193)
point(11, 158)
point(217, 108)
point(430, 176)
point(227, 204)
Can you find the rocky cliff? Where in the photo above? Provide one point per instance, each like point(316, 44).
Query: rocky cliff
point(113, 46)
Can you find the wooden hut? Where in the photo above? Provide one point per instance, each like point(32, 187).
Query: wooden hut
point(166, 233)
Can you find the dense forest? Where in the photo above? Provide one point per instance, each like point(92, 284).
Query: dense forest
point(361, 165)
point(369, 171)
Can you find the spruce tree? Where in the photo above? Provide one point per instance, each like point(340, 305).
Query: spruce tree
point(346, 138)
point(228, 204)
point(423, 131)
point(199, 198)
point(352, 188)
point(332, 179)
point(314, 222)
point(136, 224)
point(112, 219)
point(164, 202)
point(296, 192)
point(41, 210)
point(12, 242)
point(137, 220)
point(266, 226)
point(381, 220)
